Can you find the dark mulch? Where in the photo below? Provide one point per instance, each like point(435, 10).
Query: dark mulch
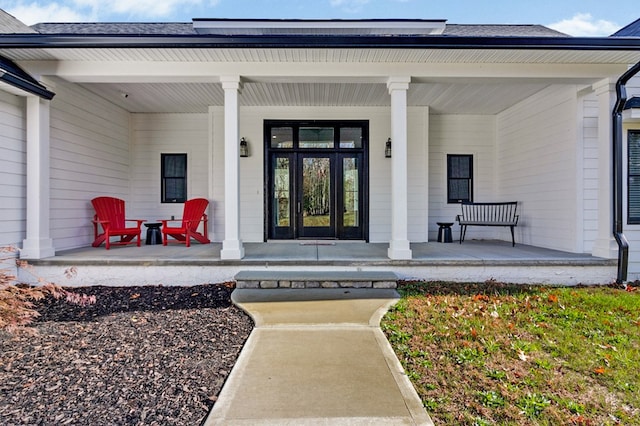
point(138, 356)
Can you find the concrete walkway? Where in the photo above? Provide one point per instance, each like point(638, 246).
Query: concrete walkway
point(317, 357)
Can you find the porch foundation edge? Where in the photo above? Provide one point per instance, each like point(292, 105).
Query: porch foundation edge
point(603, 272)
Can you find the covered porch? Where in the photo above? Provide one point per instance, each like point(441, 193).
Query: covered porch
point(474, 260)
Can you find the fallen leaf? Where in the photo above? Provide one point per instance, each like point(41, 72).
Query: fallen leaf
point(522, 355)
point(134, 296)
point(552, 298)
point(599, 370)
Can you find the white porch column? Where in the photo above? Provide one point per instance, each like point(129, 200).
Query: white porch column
point(232, 245)
point(38, 243)
point(605, 245)
point(399, 244)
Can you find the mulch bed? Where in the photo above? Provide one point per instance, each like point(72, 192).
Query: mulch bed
point(148, 355)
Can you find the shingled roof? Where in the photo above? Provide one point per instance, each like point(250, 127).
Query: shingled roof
point(10, 25)
point(631, 30)
point(186, 28)
point(105, 28)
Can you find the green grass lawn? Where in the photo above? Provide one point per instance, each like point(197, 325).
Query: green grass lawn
point(493, 353)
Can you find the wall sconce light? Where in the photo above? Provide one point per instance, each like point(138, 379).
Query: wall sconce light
point(387, 149)
point(244, 148)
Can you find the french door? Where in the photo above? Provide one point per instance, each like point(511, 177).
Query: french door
point(316, 178)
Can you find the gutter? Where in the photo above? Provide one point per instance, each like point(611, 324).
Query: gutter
point(31, 41)
point(15, 76)
point(623, 244)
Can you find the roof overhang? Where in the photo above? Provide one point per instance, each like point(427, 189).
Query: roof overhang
point(14, 79)
point(315, 42)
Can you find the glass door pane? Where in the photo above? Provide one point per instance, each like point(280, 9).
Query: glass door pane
point(281, 198)
point(282, 193)
point(316, 203)
point(350, 193)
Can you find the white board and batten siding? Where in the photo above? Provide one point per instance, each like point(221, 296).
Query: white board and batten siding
point(461, 135)
point(590, 110)
point(536, 164)
point(13, 169)
point(89, 157)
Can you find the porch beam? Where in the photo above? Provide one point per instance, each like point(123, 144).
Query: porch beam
point(399, 244)
point(38, 243)
point(232, 247)
point(605, 245)
point(203, 72)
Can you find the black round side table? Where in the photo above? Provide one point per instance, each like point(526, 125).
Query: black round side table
point(154, 236)
point(444, 232)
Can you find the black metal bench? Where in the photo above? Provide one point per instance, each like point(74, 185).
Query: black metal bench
point(488, 214)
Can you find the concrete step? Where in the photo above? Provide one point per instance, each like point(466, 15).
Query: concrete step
point(316, 279)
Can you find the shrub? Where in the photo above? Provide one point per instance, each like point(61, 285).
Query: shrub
point(16, 300)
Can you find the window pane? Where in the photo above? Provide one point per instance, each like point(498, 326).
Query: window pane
point(351, 137)
point(175, 165)
point(174, 190)
point(459, 190)
point(316, 137)
point(282, 137)
point(459, 166)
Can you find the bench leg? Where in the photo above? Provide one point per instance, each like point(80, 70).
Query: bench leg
point(513, 240)
point(463, 231)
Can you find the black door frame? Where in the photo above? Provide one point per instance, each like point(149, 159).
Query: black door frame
point(294, 154)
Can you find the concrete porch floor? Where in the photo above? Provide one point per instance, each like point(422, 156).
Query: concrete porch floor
point(472, 260)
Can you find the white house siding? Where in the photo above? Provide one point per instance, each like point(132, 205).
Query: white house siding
point(536, 164)
point(156, 134)
point(12, 170)
point(252, 168)
point(462, 134)
point(89, 158)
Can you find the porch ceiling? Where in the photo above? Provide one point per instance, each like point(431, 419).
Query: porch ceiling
point(441, 97)
point(185, 80)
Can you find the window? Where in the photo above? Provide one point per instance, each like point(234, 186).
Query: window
point(174, 178)
point(459, 178)
point(633, 194)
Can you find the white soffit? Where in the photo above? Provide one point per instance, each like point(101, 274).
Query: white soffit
point(319, 27)
point(321, 55)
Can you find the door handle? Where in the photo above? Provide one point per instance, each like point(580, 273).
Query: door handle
point(299, 207)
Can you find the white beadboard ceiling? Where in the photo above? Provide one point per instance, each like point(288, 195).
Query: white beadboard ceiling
point(446, 97)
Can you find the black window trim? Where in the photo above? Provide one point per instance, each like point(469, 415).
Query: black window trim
point(451, 200)
point(163, 198)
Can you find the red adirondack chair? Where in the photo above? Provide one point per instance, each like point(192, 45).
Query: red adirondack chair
point(110, 217)
point(193, 214)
